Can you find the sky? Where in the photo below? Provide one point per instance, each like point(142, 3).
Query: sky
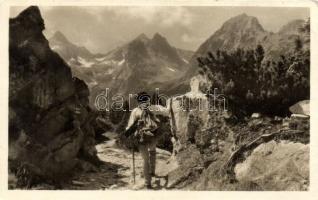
point(101, 29)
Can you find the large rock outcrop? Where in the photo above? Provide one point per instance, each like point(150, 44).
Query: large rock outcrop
point(198, 127)
point(48, 109)
point(216, 152)
point(190, 111)
point(277, 166)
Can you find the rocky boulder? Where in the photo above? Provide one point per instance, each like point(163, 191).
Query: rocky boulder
point(200, 133)
point(277, 166)
point(301, 107)
point(190, 112)
point(49, 129)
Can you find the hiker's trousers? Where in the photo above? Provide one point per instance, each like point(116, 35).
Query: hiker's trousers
point(148, 154)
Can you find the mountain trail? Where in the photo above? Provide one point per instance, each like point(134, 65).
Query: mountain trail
point(115, 171)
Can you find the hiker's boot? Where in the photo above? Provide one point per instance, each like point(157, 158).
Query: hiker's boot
point(142, 187)
point(149, 187)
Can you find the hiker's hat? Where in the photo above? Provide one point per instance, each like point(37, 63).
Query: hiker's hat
point(143, 97)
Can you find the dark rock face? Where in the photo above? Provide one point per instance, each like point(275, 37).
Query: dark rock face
point(48, 108)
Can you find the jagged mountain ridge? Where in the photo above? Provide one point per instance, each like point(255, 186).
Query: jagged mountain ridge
point(141, 64)
point(246, 32)
point(243, 32)
point(68, 50)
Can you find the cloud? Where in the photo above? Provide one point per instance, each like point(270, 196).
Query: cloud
point(46, 8)
point(163, 16)
point(186, 38)
point(179, 15)
point(103, 28)
point(15, 10)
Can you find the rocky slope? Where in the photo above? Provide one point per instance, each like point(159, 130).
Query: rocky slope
point(259, 169)
point(59, 43)
point(244, 32)
point(214, 152)
point(241, 31)
point(49, 117)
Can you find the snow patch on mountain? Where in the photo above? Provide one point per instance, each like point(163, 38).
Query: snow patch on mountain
point(120, 63)
point(56, 47)
point(84, 62)
point(173, 70)
point(100, 59)
point(184, 60)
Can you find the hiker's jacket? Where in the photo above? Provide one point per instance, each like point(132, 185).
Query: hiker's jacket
point(149, 121)
point(144, 125)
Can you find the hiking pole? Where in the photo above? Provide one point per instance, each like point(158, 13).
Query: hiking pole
point(133, 159)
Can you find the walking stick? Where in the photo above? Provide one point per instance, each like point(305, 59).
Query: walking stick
point(133, 159)
point(127, 134)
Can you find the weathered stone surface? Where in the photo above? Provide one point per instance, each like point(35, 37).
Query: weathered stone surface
point(191, 119)
point(301, 107)
point(277, 166)
point(188, 165)
point(190, 112)
point(49, 116)
point(209, 143)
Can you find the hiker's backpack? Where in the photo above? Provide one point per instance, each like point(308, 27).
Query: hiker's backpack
point(143, 131)
point(146, 127)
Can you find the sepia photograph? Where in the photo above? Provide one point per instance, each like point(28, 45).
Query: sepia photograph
point(159, 98)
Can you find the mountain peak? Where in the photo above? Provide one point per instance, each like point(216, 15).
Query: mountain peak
point(243, 15)
point(142, 37)
point(67, 49)
point(58, 36)
point(242, 31)
point(243, 22)
point(31, 18)
point(161, 46)
point(157, 35)
point(159, 40)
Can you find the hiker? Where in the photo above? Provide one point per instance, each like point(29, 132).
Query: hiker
point(145, 134)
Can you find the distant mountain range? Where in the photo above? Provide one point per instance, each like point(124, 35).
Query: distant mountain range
point(146, 63)
point(140, 65)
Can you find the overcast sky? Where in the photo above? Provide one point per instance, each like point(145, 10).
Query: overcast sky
point(101, 29)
